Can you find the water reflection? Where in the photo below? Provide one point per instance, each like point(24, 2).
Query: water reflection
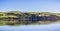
point(46, 27)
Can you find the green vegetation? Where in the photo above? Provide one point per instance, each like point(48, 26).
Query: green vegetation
point(3, 22)
point(19, 18)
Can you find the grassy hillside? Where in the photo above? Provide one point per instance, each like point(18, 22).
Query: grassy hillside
point(18, 18)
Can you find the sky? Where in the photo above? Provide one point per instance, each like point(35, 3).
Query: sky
point(30, 5)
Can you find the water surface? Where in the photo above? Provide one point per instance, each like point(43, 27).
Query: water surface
point(46, 27)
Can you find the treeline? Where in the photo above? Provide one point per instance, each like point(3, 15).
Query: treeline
point(17, 18)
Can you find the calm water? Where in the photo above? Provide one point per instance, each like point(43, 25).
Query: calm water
point(49, 27)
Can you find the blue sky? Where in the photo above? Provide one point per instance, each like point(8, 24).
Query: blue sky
point(30, 5)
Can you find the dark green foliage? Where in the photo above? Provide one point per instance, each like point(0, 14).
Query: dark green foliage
point(16, 17)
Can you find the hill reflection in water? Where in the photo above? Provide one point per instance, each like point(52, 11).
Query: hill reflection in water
point(46, 27)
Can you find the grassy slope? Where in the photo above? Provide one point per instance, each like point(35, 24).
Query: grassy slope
point(14, 23)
